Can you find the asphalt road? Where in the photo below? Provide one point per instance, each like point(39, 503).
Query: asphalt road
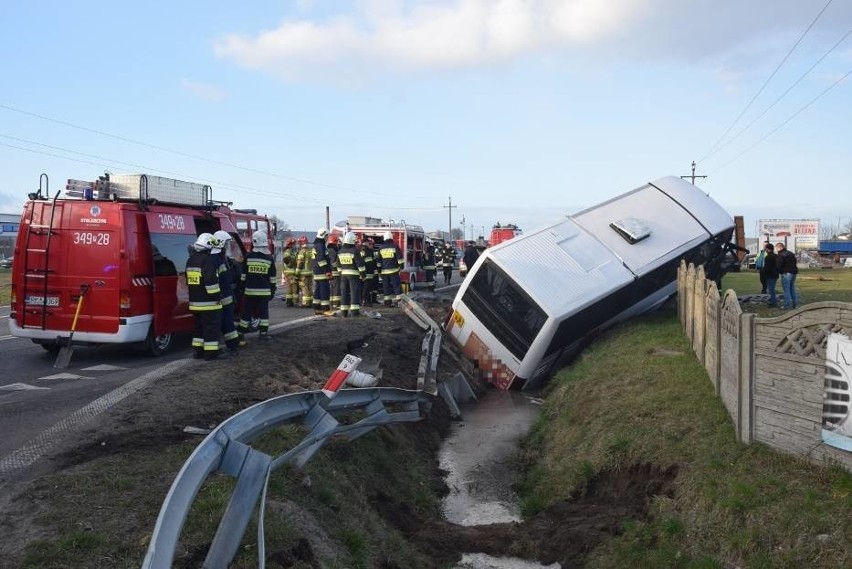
point(35, 397)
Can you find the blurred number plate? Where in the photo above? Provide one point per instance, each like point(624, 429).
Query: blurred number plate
point(458, 318)
point(39, 300)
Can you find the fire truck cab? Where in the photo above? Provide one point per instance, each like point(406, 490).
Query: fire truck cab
point(411, 240)
point(114, 252)
point(500, 233)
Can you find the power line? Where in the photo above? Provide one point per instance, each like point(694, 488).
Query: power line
point(194, 156)
point(759, 91)
point(784, 94)
point(108, 163)
point(791, 117)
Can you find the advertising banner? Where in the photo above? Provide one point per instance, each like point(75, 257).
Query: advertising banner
point(796, 233)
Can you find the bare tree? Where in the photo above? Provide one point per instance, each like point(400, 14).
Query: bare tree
point(458, 233)
point(828, 231)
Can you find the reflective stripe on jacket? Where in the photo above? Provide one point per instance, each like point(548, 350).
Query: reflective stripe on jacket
point(258, 274)
point(351, 264)
point(390, 258)
point(202, 282)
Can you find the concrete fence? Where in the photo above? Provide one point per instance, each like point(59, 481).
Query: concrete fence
point(785, 381)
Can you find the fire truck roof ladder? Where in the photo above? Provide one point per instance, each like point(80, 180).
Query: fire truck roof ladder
point(39, 273)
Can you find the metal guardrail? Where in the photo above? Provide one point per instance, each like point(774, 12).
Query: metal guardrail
point(227, 450)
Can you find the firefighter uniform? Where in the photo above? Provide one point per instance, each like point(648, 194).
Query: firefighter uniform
point(305, 276)
point(448, 260)
point(352, 272)
point(334, 281)
point(288, 258)
point(391, 263)
point(370, 275)
point(202, 283)
point(225, 271)
point(258, 286)
point(322, 273)
point(427, 263)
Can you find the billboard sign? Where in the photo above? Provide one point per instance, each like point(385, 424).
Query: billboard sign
point(796, 233)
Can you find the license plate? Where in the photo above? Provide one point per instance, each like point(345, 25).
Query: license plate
point(39, 300)
point(458, 318)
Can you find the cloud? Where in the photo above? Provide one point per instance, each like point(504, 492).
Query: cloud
point(203, 91)
point(10, 203)
point(427, 36)
point(407, 35)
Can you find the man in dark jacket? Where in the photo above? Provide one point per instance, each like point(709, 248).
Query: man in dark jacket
point(322, 274)
point(769, 272)
point(258, 281)
point(448, 261)
point(202, 283)
point(391, 263)
point(428, 264)
point(788, 268)
point(470, 255)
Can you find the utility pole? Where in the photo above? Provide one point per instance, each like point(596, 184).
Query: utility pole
point(450, 207)
point(692, 176)
point(463, 228)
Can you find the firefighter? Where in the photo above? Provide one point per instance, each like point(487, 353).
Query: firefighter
point(333, 249)
point(321, 273)
point(391, 262)
point(288, 258)
point(368, 294)
point(352, 272)
point(202, 283)
point(448, 260)
point(427, 263)
point(227, 284)
point(258, 286)
point(304, 273)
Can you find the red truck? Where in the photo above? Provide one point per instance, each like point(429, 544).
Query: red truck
point(119, 246)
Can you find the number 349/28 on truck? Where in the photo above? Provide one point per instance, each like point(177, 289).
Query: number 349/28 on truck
point(119, 245)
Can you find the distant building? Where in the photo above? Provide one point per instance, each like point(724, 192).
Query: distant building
point(9, 223)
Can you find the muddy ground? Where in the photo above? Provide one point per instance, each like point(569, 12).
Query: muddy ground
point(374, 502)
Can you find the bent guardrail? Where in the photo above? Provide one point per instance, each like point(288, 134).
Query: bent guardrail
point(227, 450)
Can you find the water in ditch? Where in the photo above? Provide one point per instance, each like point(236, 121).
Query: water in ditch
point(478, 457)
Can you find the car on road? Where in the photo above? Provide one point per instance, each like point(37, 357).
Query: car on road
point(6, 263)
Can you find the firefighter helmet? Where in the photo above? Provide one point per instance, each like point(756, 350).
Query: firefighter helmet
point(290, 242)
point(222, 236)
point(202, 243)
point(303, 240)
point(333, 239)
point(216, 244)
point(322, 233)
point(349, 238)
point(259, 240)
point(387, 236)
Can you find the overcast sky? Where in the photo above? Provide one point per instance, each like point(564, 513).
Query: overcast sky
point(522, 111)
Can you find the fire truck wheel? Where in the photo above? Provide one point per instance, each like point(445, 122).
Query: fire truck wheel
point(158, 345)
point(51, 347)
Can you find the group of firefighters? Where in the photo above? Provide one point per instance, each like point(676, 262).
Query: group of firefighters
point(327, 275)
point(213, 282)
point(331, 275)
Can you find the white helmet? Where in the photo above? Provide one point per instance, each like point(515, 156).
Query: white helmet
point(260, 241)
point(222, 236)
point(387, 236)
point(202, 243)
point(322, 233)
point(349, 238)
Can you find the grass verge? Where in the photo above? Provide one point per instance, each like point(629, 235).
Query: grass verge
point(812, 285)
point(640, 396)
point(5, 286)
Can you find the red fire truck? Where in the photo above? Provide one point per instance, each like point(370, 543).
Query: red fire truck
point(500, 233)
point(115, 248)
point(409, 238)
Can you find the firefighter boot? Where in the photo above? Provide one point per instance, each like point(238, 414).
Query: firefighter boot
point(198, 353)
point(263, 335)
point(290, 302)
point(345, 313)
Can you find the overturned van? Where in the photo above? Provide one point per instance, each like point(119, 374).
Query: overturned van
point(529, 303)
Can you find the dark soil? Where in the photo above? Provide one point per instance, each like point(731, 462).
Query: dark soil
point(387, 482)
